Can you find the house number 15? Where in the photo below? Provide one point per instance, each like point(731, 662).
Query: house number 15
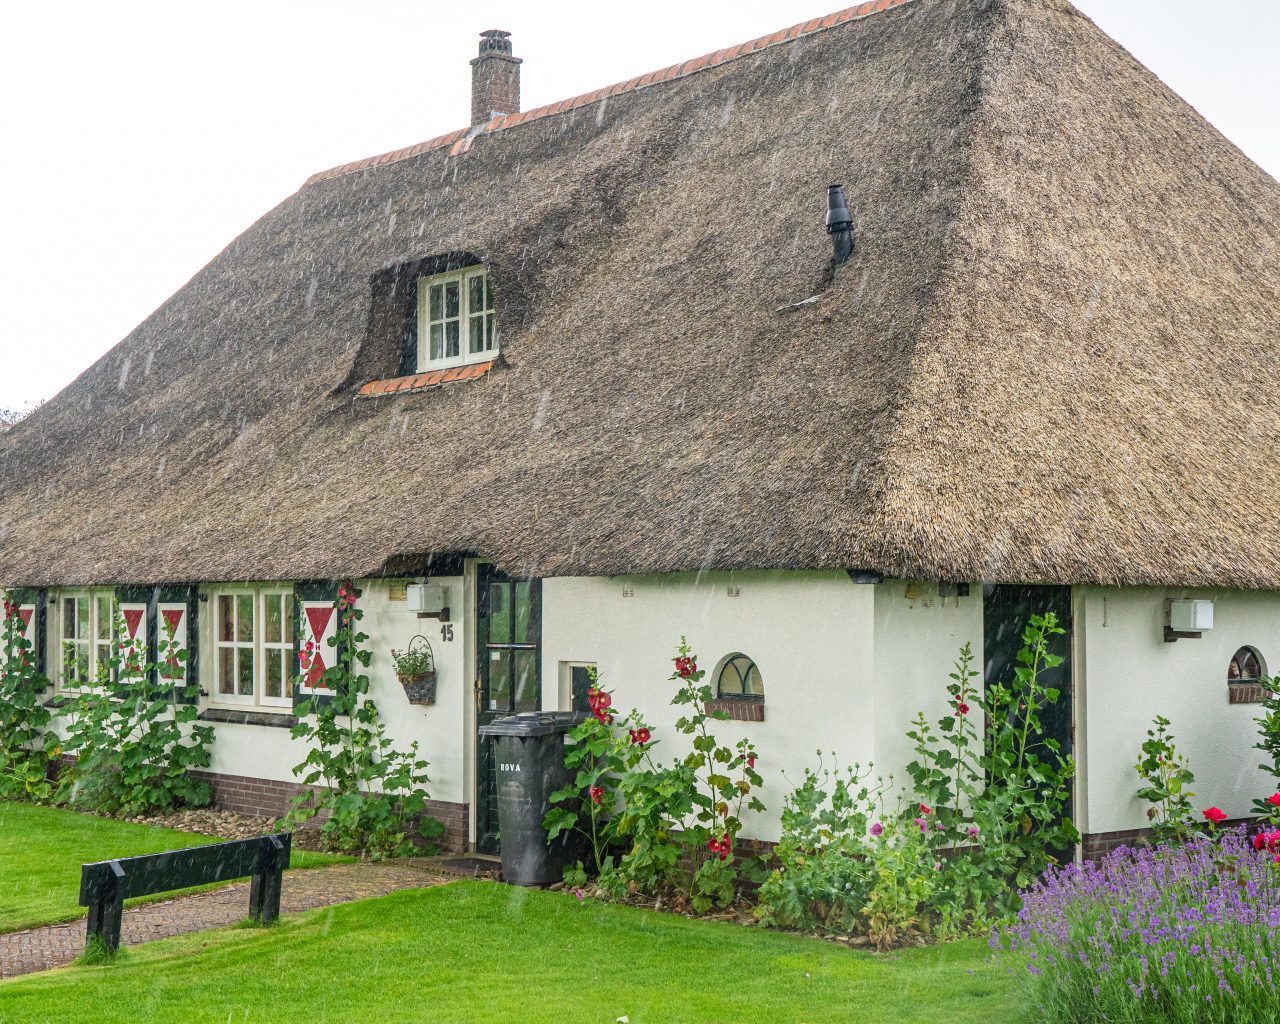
point(446, 632)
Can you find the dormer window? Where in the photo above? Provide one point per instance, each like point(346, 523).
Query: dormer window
point(455, 319)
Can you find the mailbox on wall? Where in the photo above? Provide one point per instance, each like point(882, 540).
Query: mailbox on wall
point(428, 600)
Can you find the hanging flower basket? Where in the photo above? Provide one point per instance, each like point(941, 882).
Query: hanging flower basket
point(416, 670)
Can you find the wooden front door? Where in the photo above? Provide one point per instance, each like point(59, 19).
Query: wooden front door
point(508, 676)
point(1005, 612)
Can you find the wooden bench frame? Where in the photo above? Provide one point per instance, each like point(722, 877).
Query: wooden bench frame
point(106, 884)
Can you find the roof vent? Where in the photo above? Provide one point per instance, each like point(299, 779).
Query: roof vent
point(495, 78)
point(839, 224)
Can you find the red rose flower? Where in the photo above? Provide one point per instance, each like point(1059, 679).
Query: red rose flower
point(1215, 815)
point(1274, 799)
point(1258, 840)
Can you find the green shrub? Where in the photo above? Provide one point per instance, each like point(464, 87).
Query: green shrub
point(24, 754)
point(134, 734)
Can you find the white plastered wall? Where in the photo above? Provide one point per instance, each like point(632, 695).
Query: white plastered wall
point(918, 639)
point(810, 633)
point(1131, 674)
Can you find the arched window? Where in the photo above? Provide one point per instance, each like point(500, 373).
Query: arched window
point(1246, 666)
point(739, 679)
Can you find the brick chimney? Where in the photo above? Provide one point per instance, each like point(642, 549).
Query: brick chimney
point(495, 78)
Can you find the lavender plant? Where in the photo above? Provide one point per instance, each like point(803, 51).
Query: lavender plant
point(1175, 934)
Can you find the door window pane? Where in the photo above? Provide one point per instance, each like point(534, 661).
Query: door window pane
point(527, 631)
point(499, 681)
point(525, 665)
point(499, 614)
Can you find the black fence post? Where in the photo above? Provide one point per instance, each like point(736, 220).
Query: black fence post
point(264, 891)
point(106, 910)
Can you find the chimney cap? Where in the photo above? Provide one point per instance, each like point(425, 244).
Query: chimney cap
point(495, 40)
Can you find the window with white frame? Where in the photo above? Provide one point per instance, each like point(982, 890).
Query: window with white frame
point(85, 632)
point(253, 647)
point(455, 319)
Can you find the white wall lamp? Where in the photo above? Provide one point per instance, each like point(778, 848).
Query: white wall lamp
point(1187, 620)
point(429, 600)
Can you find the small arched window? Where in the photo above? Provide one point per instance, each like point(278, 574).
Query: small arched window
point(1246, 666)
point(739, 679)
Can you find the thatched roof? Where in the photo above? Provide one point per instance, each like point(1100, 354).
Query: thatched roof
point(1051, 358)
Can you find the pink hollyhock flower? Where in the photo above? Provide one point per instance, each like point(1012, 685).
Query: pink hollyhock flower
point(877, 829)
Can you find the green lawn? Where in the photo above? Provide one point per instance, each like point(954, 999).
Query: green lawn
point(42, 848)
point(482, 952)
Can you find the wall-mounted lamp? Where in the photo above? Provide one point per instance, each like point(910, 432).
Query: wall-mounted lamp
point(1188, 620)
point(429, 600)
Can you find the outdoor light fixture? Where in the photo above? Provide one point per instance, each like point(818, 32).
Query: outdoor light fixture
point(430, 601)
point(1188, 620)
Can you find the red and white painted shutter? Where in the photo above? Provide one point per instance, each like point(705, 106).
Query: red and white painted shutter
point(319, 627)
point(27, 613)
point(172, 617)
point(133, 652)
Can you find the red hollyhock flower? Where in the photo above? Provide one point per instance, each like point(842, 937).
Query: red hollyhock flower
point(640, 736)
point(926, 809)
point(685, 667)
point(597, 795)
point(963, 708)
point(751, 760)
point(1215, 815)
point(1274, 799)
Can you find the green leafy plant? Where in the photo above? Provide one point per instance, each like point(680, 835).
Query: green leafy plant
point(372, 796)
point(415, 662)
point(675, 827)
point(600, 755)
point(24, 720)
point(824, 870)
point(1269, 726)
point(134, 734)
point(1165, 777)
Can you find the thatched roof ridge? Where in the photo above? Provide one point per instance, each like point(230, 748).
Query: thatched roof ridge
point(459, 141)
point(1049, 359)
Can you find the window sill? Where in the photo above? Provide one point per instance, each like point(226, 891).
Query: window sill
point(1246, 693)
point(271, 719)
point(738, 710)
point(415, 382)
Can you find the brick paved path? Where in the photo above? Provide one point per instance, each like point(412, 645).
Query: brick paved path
point(39, 949)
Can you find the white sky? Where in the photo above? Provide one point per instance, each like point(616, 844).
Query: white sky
point(138, 138)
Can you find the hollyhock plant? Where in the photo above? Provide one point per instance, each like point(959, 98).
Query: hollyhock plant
point(1179, 932)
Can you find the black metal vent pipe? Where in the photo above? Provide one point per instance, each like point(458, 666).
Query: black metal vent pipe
point(839, 224)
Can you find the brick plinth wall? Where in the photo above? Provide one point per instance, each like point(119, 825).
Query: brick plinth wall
point(269, 798)
point(1096, 845)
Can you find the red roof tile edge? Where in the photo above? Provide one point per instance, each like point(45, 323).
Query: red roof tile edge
point(422, 381)
point(461, 140)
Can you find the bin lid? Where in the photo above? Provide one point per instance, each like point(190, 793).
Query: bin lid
point(533, 723)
